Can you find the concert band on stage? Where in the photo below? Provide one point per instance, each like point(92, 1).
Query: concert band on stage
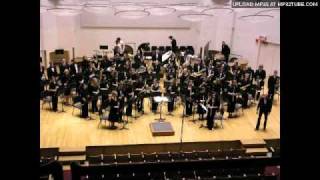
point(119, 85)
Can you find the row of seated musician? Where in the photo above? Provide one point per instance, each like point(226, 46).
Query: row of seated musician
point(243, 168)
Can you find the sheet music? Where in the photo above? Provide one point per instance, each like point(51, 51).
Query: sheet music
point(159, 99)
point(204, 107)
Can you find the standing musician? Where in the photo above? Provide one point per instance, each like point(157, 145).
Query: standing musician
point(155, 91)
point(63, 66)
point(52, 71)
point(273, 84)
point(233, 90)
point(53, 89)
point(225, 50)
point(74, 68)
point(173, 44)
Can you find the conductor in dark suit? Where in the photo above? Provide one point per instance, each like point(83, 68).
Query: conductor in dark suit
point(264, 107)
point(225, 50)
point(173, 44)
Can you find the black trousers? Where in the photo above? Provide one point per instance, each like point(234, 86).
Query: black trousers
point(210, 119)
point(265, 120)
point(54, 102)
point(94, 105)
point(129, 110)
point(171, 105)
point(154, 106)
point(188, 108)
point(84, 111)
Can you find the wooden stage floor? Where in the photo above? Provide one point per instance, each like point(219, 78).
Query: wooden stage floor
point(69, 131)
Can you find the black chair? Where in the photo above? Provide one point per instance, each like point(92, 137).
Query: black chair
point(154, 48)
point(136, 158)
point(204, 154)
point(163, 157)
point(46, 99)
point(191, 155)
point(150, 157)
point(77, 104)
point(123, 158)
point(219, 154)
point(109, 159)
point(168, 48)
point(161, 48)
point(177, 156)
point(95, 159)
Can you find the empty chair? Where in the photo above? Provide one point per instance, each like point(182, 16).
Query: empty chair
point(136, 158)
point(191, 155)
point(187, 174)
point(46, 99)
point(153, 48)
point(109, 159)
point(235, 153)
point(219, 154)
point(163, 156)
point(123, 158)
point(203, 174)
point(76, 104)
point(204, 154)
point(161, 48)
point(94, 159)
point(150, 157)
point(177, 156)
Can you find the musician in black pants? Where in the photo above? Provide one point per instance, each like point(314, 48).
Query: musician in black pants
point(264, 107)
point(53, 92)
point(83, 91)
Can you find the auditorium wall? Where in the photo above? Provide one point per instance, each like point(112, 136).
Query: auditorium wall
point(243, 42)
point(68, 32)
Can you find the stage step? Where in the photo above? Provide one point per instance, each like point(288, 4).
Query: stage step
point(253, 143)
point(66, 160)
point(72, 151)
point(257, 151)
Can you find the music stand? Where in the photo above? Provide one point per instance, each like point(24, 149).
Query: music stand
point(160, 100)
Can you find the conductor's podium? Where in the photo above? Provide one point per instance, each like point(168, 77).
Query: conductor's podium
point(161, 129)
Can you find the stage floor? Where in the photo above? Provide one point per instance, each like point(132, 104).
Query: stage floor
point(65, 130)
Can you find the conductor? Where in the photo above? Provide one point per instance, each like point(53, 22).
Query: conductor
point(264, 107)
